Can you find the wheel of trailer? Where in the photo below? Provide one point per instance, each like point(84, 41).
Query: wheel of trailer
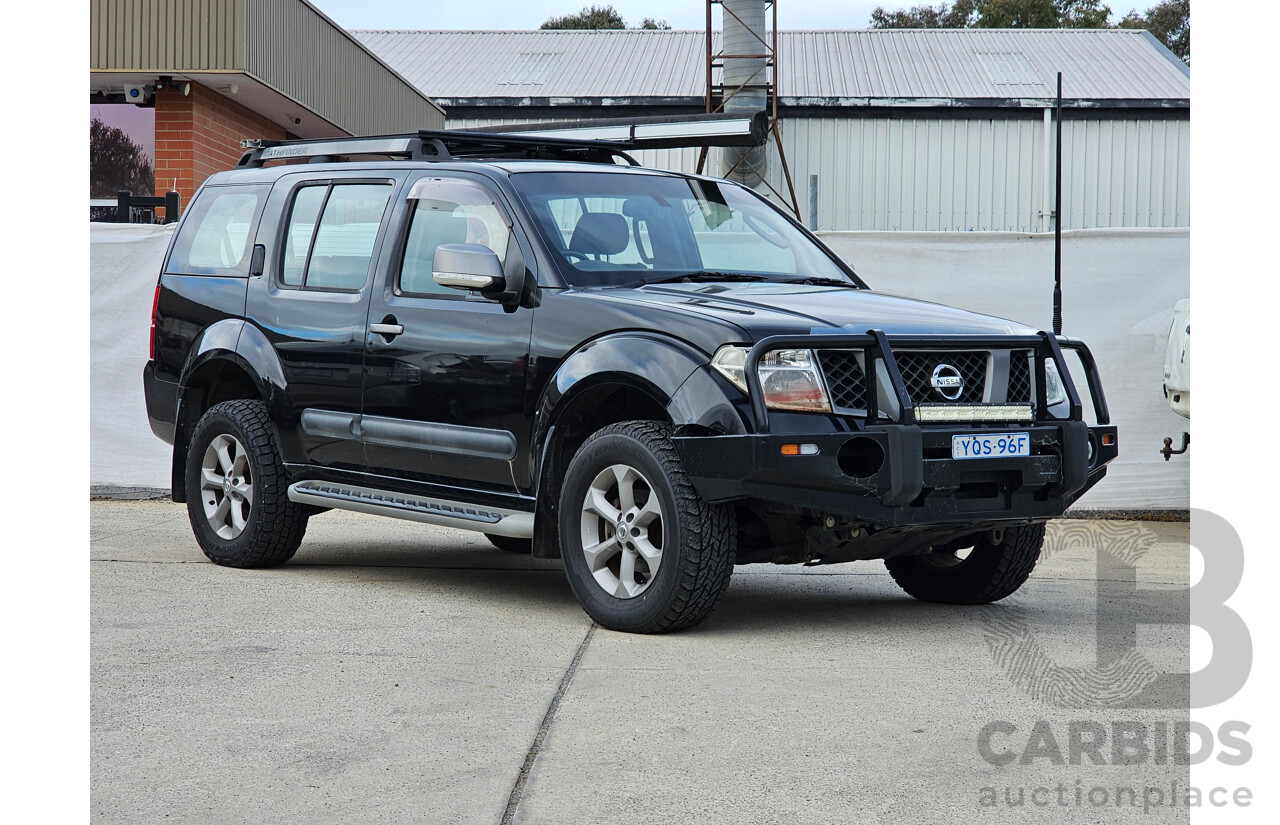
point(643, 552)
point(237, 497)
point(983, 570)
point(507, 544)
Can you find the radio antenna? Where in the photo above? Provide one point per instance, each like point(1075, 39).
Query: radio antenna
point(1057, 219)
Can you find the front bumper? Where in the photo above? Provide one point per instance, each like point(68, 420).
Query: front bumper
point(917, 482)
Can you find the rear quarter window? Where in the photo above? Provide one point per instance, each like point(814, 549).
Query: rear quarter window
point(217, 234)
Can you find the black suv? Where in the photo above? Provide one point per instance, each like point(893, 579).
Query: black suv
point(652, 376)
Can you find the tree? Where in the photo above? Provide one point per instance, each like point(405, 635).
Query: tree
point(599, 17)
point(591, 17)
point(116, 162)
point(997, 14)
point(957, 16)
point(1169, 21)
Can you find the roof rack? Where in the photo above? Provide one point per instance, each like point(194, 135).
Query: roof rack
point(592, 141)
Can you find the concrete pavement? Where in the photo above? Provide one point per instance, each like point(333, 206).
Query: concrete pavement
point(399, 673)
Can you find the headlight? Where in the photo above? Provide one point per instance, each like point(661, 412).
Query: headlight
point(1053, 389)
point(789, 377)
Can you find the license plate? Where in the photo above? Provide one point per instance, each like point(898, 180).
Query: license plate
point(993, 445)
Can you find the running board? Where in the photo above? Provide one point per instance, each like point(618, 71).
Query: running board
point(512, 523)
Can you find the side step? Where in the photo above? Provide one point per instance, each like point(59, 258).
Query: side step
point(513, 523)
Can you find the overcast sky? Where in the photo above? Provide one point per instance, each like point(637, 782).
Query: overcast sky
point(512, 14)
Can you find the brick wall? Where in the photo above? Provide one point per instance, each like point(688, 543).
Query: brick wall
point(199, 134)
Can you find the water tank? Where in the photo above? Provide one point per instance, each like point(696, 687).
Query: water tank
point(745, 82)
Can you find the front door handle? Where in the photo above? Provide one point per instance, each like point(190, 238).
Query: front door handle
point(388, 328)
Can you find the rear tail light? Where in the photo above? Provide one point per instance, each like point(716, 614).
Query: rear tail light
point(155, 305)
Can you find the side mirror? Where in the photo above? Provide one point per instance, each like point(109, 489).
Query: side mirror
point(468, 266)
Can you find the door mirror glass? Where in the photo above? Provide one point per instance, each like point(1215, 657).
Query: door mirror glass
point(468, 266)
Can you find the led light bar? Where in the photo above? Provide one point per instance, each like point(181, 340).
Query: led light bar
point(971, 413)
point(661, 132)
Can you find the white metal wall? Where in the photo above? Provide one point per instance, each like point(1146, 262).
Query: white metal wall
point(980, 175)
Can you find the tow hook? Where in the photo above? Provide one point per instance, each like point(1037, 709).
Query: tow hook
point(842, 527)
point(997, 536)
point(1168, 450)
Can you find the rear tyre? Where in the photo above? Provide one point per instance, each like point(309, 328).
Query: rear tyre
point(507, 544)
point(644, 553)
point(986, 571)
point(237, 493)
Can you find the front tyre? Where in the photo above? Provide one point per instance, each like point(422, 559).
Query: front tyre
point(237, 494)
point(990, 568)
point(644, 553)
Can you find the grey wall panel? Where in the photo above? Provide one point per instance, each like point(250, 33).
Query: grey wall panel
point(327, 68)
point(166, 35)
point(957, 175)
point(285, 44)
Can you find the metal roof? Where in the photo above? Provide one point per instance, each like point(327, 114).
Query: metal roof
point(817, 68)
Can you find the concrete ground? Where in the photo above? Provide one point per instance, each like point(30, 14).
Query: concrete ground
point(398, 673)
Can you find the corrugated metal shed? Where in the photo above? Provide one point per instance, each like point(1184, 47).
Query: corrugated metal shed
point(921, 130)
point(817, 68)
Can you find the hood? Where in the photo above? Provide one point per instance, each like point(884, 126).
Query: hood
point(764, 309)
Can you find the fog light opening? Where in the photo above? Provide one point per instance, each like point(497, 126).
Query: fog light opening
point(861, 457)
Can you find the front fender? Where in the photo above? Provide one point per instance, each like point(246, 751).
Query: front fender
point(652, 363)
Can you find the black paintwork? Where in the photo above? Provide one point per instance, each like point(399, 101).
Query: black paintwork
point(510, 371)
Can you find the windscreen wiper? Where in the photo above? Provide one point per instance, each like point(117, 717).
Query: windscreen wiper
point(824, 282)
point(704, 277)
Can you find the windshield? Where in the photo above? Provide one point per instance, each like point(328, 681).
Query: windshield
point(611, 229)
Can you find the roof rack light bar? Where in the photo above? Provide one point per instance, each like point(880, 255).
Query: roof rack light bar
point(596, 141)
point(666, 132)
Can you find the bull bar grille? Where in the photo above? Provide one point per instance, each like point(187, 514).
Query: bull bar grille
point(917, 372)
point(1019, 376)
point(847, 382)
point(845, 379)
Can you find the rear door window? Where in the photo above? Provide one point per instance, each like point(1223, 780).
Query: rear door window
point(331, 234)
point(217, 234)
